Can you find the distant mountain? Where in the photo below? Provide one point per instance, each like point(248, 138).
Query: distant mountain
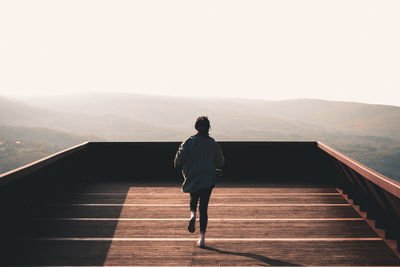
point(141, 118)
point(347, 117)
point(106, 125)
point(368, 133)
point(302, 116)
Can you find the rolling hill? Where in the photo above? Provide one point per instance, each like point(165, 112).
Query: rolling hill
point(104, 125)
point(368, 133)
point(307, 114)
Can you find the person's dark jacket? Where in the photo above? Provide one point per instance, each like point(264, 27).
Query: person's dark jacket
point(199, 156)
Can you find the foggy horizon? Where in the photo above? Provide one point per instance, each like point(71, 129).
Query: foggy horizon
point(25, 96)
point(275, 50)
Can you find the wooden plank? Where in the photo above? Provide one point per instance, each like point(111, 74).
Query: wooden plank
point(184, 199)
point(301, 253)
point(99, 252)
point(214, 212)
point(185, 253)
point(173, 189)
point(209, 219)
point(252, 233)
point(230, 205)
point(216, 229)
point(230, 194)
point(238, 190)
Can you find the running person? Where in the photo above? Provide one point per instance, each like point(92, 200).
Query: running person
point(199, 156)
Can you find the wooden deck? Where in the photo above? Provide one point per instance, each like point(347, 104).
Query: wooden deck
point(125, 224)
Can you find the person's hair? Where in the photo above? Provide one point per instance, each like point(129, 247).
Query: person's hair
point(202, 125)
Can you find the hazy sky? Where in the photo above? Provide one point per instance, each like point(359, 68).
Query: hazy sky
point(340, 50)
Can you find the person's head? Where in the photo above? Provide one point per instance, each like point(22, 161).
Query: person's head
point(202, 125)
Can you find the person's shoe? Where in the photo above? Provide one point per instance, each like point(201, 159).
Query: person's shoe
point(192, 224)
point(202, 242)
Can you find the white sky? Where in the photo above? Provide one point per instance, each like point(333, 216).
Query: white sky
point(339, 50)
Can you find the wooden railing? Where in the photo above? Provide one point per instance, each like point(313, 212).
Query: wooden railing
point(375, 193)
point(30, 168)
point(23, 191)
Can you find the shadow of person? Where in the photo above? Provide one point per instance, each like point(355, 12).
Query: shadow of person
point(253, 256)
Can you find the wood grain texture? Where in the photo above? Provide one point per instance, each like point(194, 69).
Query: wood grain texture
point(225, 229)
point(182, 253)
point(184, 199)
point(214, 212)
point(336, 250)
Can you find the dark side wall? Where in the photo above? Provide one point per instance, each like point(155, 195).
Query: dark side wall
point(245, 162)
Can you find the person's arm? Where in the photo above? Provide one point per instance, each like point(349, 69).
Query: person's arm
point(180, 156)
point(219, 159)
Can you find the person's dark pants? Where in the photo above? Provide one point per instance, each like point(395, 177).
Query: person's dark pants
point(204, 196)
